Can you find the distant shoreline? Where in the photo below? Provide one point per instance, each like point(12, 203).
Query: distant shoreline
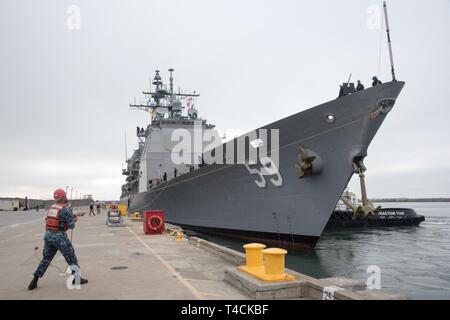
point(411, 200)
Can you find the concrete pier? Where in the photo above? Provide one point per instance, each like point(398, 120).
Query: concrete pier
point(124, 263)
point(119, 262)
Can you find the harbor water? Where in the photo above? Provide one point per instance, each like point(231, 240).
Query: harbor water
point(414, 261)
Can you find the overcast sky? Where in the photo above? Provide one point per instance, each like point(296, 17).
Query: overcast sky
point(65, 92)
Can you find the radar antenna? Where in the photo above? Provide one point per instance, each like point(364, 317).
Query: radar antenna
point(163, 100)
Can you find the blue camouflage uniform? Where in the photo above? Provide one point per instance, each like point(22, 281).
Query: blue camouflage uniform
point(58, 240)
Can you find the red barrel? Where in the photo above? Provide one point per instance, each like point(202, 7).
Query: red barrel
point(154, 222)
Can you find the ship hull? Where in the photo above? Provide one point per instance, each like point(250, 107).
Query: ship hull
point(225, 200)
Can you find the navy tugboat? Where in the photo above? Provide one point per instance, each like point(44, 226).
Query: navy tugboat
point(345, 214)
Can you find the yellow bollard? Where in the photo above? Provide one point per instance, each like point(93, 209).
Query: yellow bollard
point(123, 209)
point(253, 255)
point(253, 259)
point(136, 216)
point(274, 265)
point(265, 264)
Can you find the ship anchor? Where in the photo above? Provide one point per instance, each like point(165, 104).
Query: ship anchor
point(366, 209)
point(308, 164)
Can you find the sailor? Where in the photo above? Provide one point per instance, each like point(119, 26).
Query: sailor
point(91, 209)
point(59, 219)
point(376, 82)
point(360, 86)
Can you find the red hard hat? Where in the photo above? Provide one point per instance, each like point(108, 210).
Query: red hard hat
point(58, 194)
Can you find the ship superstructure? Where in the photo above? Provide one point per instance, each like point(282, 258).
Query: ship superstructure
point(151, 164)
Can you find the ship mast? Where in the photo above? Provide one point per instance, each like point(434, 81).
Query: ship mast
point(171, 80)
point(389, 40)
point(162, 98)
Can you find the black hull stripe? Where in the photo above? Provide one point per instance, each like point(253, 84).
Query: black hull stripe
point(267, 238)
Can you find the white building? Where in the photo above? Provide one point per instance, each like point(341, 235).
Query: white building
point(9, 204)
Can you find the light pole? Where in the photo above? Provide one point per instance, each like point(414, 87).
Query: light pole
point(71, 189)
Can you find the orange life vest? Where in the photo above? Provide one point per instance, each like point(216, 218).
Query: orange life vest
point(52, 221)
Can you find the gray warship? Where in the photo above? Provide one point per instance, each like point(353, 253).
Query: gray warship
point(287, 202)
